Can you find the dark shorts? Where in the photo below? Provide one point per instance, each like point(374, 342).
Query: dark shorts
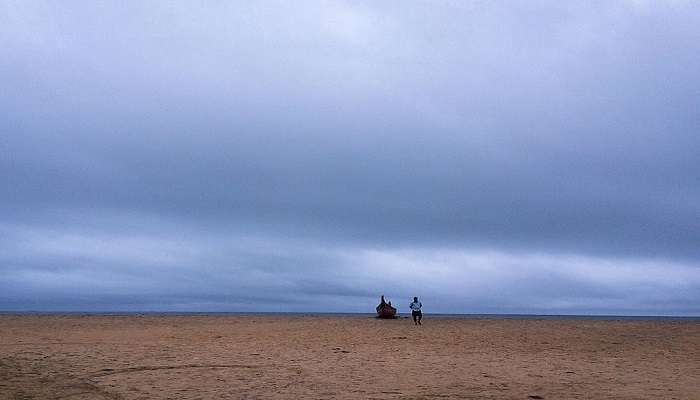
point(417, 313)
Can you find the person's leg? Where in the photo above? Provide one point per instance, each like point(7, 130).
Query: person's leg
point(420, 317)
point(415, 316)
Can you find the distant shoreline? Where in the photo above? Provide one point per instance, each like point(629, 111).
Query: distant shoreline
point(365, 315)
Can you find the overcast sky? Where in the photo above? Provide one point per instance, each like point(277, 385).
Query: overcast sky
point(488, 157)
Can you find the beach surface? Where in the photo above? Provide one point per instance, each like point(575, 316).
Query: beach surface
point(345, 357)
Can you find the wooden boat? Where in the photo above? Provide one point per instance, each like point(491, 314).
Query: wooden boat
point(385, 310)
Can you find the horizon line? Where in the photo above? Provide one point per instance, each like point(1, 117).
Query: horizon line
point(369, 314)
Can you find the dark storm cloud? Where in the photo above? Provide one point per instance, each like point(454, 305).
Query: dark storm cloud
point(339, 134)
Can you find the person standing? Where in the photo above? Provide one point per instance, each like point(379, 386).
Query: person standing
point(416, 311)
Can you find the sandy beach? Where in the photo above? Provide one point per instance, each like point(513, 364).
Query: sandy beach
point(283, 357)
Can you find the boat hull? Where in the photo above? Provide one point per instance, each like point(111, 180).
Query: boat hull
point(386, 312)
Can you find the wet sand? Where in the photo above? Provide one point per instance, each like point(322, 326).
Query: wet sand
point(285, 357)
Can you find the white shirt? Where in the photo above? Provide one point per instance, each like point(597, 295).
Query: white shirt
point(416, 305)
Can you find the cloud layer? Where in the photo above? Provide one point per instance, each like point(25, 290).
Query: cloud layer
point(490, 157)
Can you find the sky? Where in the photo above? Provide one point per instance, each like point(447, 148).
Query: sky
point(487, 156)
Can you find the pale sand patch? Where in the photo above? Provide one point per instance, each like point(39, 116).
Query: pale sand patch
point(278, 357)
